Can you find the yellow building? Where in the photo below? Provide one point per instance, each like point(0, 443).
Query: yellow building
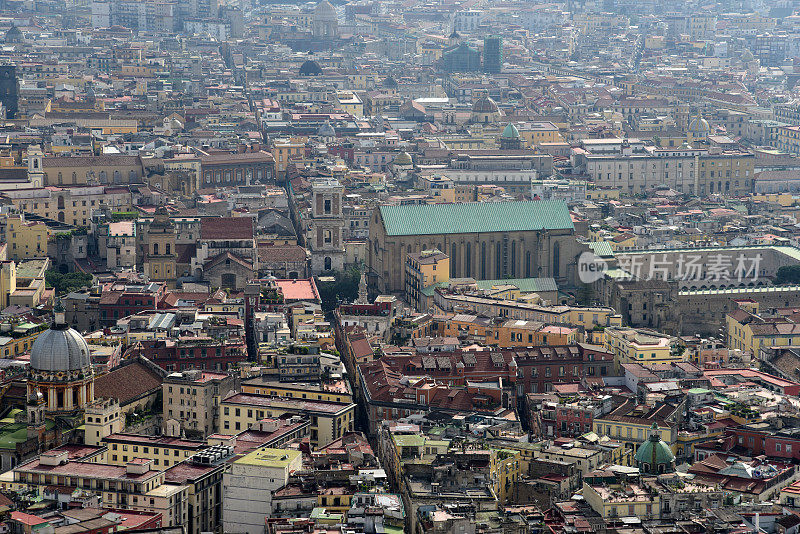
point(284, 150)
point(535, 133)
point(8, 282)
point(329, 420)
point(469, 143)
point(431, 51)
point(505, 470)
point(783, 199)
point(441, 188)
point(17, 336)
point(135, 485)
point(632, 424)
point(645, 347)
point(349, 102)
point(599, 193)
point(363, 81)
point(161, 259)
point(748, 331)
point(291, 390)
point(163, 451)
point(335, 499)
point(26, 240)
point(617, 501)
point(424, 270)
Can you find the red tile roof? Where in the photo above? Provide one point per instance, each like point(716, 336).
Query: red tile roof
point(226, 228)
point(128, 382)
point(27, 519)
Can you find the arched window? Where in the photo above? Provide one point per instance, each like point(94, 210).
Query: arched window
point(556, 259)
point(328, 263)
point(513, 259)
point(468, 261)
point(527, 264)
point(74, 177)
point(483, 260)
point(155, 249)
point(61, 203)
point(498, 261)
point(453, 256)
point(60, 179)
point(167, 249)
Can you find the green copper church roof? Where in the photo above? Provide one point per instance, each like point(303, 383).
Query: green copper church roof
point(510, 131)
point(654, 452)
point(476, 217)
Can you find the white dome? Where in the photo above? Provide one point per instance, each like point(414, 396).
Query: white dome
point(60, 349)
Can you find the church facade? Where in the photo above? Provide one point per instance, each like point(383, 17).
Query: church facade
point(485, 241)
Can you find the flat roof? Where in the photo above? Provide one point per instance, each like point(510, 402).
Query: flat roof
point(155, 441)
point(313, 406)
point(280, 458)
point(86, 470)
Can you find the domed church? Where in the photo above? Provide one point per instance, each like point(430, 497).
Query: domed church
point(654, 457)
point(61, 367)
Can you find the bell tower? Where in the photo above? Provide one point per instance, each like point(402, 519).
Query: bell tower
point(327, 223)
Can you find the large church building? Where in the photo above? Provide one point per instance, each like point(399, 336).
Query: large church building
point(485, 241)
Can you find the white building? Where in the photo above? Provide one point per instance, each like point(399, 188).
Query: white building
point(249, 484)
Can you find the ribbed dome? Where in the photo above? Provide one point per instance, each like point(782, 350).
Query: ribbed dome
point(510, 131)
point(485, 105)
point(403, 158)
point(60, 349)
point(326, 130)
point(325, 11)
point(699, 125)
point(310, 68)
point(654, 456)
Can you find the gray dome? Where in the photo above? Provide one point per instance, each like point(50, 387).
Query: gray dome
point(325, 11)
point(60, 349)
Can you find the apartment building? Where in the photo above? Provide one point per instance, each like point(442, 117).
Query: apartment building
point(329, 420)
point(192, 398)
point(249, 484)
point(134, 485)
point(685, 169)
point(161, 451)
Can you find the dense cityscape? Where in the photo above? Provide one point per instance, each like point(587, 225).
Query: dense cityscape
point(384, 267)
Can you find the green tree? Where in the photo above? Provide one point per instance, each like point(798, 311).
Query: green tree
point(63, 283)
point(342, 288)
point(788, 274)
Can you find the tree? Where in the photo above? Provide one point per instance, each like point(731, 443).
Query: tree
point(343, 287)
point(64, 283)
point(788, 274)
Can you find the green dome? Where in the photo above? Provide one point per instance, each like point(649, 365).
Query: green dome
point(510, 131)
point(654, 456)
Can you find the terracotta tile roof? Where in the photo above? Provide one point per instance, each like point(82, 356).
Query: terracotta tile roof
point(89, 161)
point(224, 257)
point(129, 382)
point(226, 228)
point(281, 253)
